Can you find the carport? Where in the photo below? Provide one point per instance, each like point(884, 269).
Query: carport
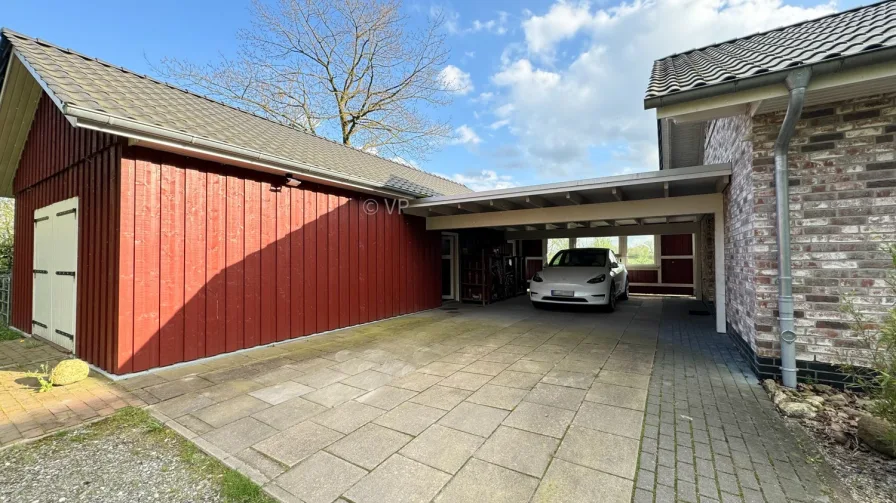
point(670, 202)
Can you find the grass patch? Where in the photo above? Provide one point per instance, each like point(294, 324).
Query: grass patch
point(8, 334)
point(235, 487)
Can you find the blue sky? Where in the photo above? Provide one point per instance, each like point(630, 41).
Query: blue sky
point(552, 91)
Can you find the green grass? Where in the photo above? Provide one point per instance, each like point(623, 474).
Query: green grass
point(235, 487)
point(8, 334)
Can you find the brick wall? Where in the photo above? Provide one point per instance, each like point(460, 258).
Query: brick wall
point(727, 140)
point(707, 257)
point(843, 209)
point(842, 165)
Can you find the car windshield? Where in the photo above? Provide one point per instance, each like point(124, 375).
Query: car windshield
point(580, 258)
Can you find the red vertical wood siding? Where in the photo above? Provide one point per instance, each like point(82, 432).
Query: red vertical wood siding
point(255, 261)
point(60, 162)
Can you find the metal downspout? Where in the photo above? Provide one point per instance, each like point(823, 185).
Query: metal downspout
point(796, 82)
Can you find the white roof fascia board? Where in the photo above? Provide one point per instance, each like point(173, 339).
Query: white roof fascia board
point(622, 210)
point(561, 188)
point(738, 103)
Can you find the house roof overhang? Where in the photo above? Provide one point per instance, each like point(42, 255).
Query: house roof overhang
point(596, 202)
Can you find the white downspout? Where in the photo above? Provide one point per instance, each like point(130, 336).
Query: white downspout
point(796, 83)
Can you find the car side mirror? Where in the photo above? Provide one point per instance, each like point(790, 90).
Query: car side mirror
point(614, 265)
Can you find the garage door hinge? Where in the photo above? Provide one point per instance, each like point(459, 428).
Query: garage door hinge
point(66, 335)
point(40, 271)
point(35, 322)
point(41, 219)
point(65, 273)
point(66, 212)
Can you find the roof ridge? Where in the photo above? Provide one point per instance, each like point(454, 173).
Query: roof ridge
point(772, 30)
point(7, 32)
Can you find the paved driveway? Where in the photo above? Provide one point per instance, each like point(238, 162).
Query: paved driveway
point(496, 404)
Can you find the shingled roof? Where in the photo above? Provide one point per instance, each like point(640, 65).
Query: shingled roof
point(837, 36)
point(85, 84)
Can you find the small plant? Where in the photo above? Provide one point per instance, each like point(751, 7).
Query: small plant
point(42, 376)
point(880, 338)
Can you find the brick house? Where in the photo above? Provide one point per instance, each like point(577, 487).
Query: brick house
point(727, 103)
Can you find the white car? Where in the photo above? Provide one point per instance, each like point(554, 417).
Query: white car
point(583, 276)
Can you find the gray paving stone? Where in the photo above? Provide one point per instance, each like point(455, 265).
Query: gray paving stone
point(465, 380)
point(239, 435)
point(443, 369)
point(368, 380)
point(416, 381)
point(487, 483)
point(229, 389)
point(297, 443)
point(441, 397)
point(618, 396)
point(500, 397)
point(513, 379)
point(321, 478)
point(183, 404)
point(602, 451)
point(497, 357)
point(443, 448)
point(532, 367)
point(353, 366)
point(556, 396)
point(320, 378)
point(347, 417)
point(473, 418)
point(518, 450)
point(398, 480)
point(639, 381)
point(568, 379)
point(411, 418)
point(334, 394)
point(386, 397)
point(369, 446)
point(542, 419)
point(179, 387)
point(459, 358)
point(569, 483)
point(281, 392)
point(486, 367)
point(289, 413)
point(609, 419)
point(230, 410)
point(263, 464)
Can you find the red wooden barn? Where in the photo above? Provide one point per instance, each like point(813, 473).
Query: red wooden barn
point(155, 226)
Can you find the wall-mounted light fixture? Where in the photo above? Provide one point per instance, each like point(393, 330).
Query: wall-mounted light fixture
point(292, 182)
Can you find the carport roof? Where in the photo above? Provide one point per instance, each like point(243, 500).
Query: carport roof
point(690, 181)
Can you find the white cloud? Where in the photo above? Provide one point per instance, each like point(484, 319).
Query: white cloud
point(578, 81)
point(498, 26)
point(484, 180)
point(455, 80)
point(464, 135)
point(499, 124)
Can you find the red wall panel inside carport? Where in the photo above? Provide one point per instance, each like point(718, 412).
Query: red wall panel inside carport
point(60, 162)
point(216, 259)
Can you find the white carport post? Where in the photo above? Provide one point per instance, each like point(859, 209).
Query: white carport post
point(719, 244)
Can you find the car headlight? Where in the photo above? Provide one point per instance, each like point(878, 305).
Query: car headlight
point(537, 278)
point(598, 279)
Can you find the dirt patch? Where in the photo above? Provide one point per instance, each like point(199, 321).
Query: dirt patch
point(830, 416)
point(126, 458)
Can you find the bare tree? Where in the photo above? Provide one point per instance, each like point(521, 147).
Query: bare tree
point(350, 70)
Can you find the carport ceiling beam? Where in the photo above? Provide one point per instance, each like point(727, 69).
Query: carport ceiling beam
point(444, 210)
point(621, 210)
point(575, 198)
point(503, 204)
point(536, 202)
point(597, 232)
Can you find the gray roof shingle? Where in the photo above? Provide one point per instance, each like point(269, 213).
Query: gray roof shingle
point(835, 36)
point(92, 84)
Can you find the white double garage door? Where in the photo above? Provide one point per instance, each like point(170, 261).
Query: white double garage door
point(55, 272)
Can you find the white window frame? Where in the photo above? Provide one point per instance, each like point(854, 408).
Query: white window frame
point(623, 253)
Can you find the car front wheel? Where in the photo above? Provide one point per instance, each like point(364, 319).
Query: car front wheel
point(624, 295)
point(611, 303)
